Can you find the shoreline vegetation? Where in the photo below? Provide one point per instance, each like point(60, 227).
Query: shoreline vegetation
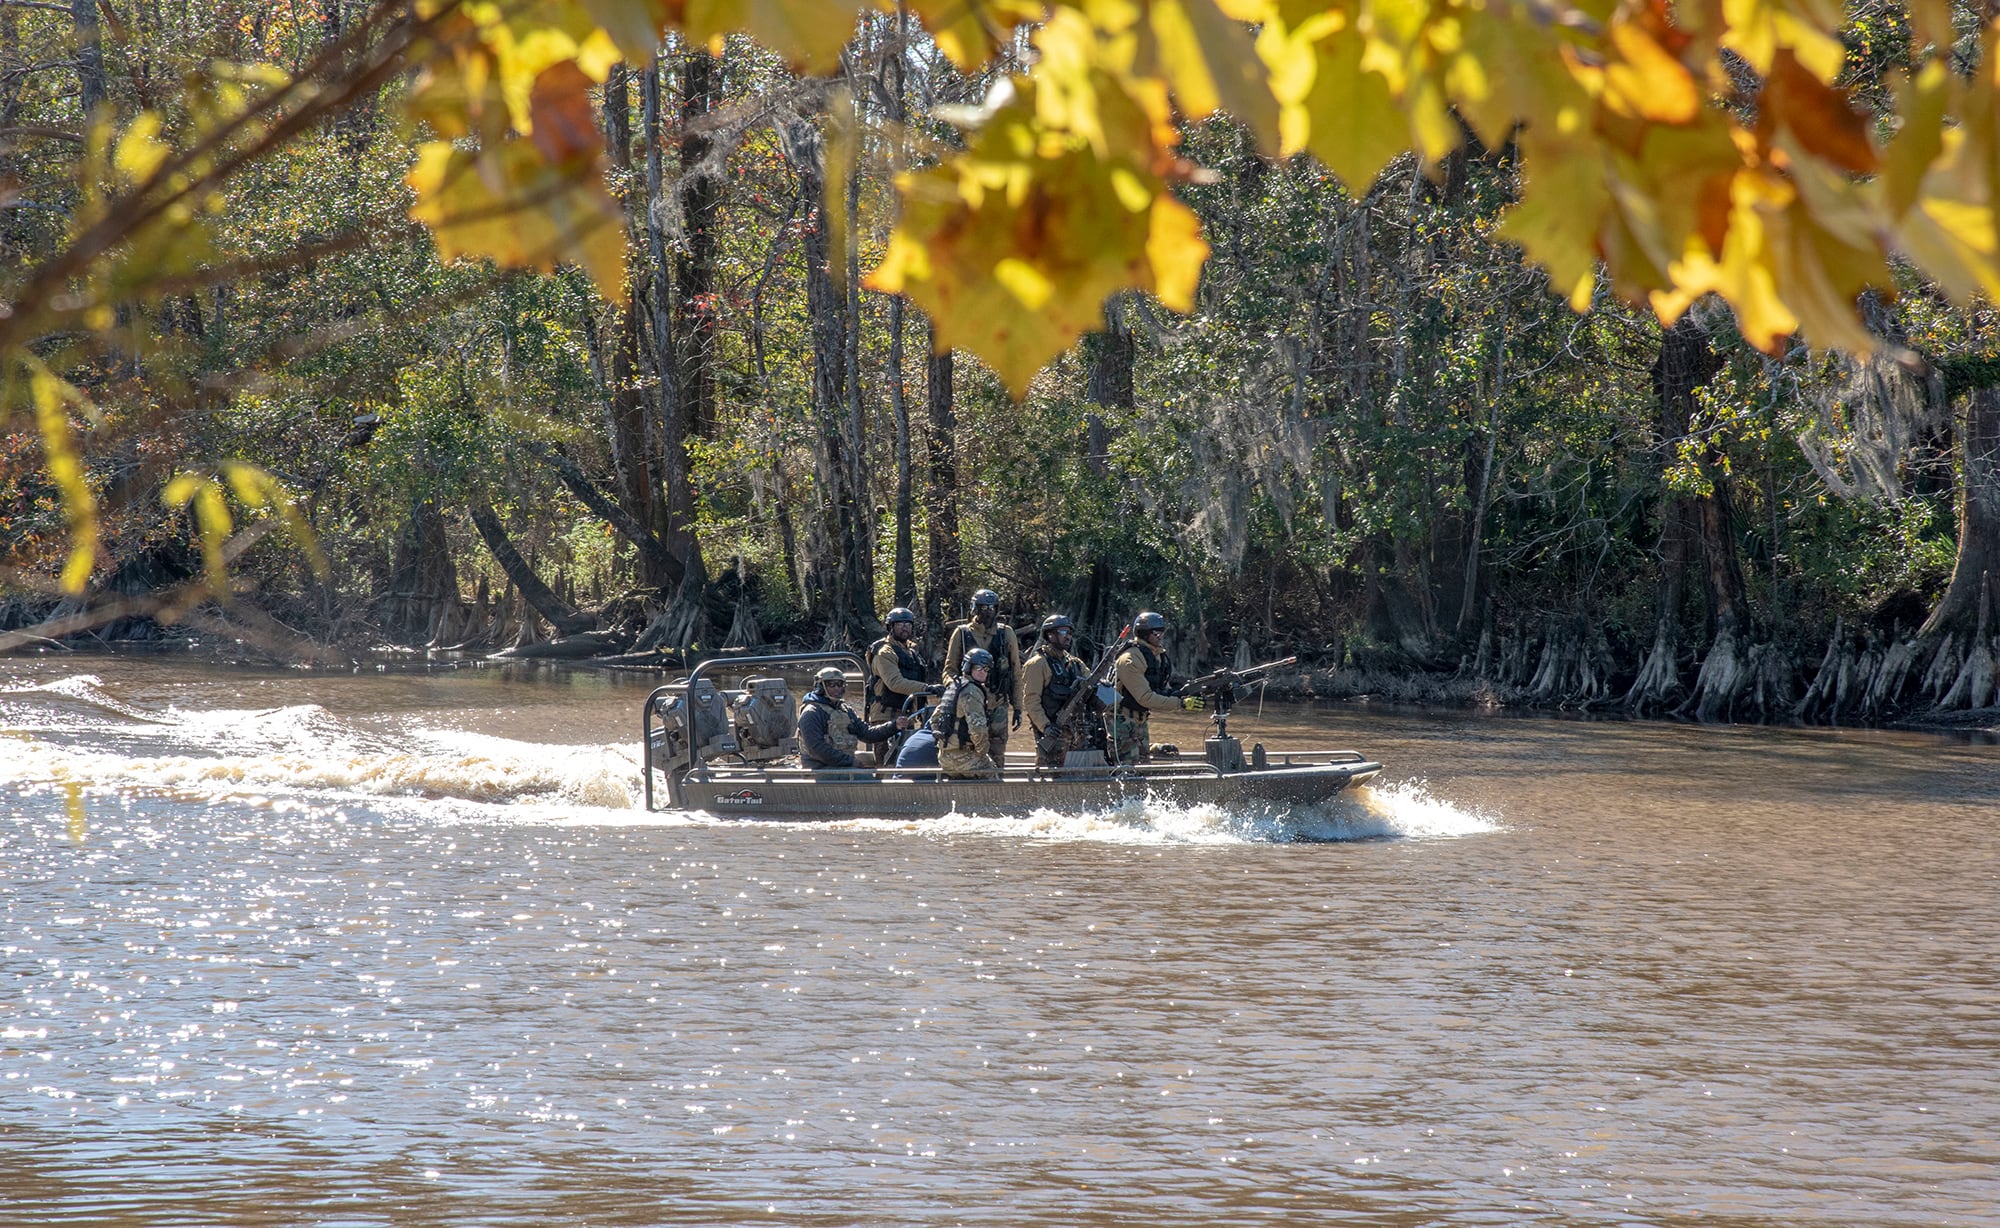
point(1350, 419)
point(1338, 672)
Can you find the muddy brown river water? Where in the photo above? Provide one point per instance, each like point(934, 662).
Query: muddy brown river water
point(396, 948)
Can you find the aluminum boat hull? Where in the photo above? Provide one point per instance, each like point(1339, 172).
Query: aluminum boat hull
point(781, 795)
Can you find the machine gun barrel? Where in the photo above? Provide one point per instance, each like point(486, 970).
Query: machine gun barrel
point(1225, 678)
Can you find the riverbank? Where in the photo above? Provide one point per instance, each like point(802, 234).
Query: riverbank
point(223, 643)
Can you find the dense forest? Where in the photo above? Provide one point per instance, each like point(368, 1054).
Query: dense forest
point(1381, 440)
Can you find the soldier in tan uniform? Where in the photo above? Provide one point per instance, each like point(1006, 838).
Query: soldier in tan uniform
point(964, 740)
point(1048, 679)
point(896, 670)
point(1145, 685)
point(1003, 689)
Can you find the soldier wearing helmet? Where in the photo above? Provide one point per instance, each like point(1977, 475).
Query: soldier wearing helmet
point(829, 730)
point(1003, 689)
point(896, 670)
point(965, 742)
point(1145, 685)
point(1048, 679)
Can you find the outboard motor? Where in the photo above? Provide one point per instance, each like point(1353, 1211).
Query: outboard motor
point(714, 735)
point(764, 720)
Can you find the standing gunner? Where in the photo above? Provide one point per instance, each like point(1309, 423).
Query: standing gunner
point(1048, 680)
point(896, 670)
point(1145, 685)
point(965, 742)
point(1003, 689)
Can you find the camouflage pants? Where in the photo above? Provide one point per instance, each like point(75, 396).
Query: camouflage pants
point(1130, 736)
point(966, 763)
point(996, 733)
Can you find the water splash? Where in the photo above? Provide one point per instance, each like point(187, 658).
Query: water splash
point(1402, 811)
point(236, 756)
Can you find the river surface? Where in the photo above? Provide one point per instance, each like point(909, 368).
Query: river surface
point(401, 948)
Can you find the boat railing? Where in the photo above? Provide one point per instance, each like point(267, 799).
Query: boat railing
point(661, 700)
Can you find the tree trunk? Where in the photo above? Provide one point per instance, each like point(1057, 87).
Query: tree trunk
point(701, 196)
point(1481, 490)
point(831, 594)
point(89, 57)
point(899, 405)
point(559, 613)
point(677, 504)
point(1975, 576)
point(1110, 355)
point(1685, 362)
point(423, 583)
point(618, 116)
point(941, 486)
point(860, 548)
point(905, 579)
point(658, 558)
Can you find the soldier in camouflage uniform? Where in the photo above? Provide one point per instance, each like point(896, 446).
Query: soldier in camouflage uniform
point(959, 721)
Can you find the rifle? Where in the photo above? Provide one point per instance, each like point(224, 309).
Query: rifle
point(1220, 687)
point(1056, 736)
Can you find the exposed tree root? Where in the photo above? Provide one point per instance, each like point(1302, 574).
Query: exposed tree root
point(1658, 685)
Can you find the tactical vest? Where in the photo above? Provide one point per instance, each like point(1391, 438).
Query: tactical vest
point(946, 722)
point(1000, 680)
point(1159, 674)
point(838, 734)
point(909, 662)
point(1065, 678)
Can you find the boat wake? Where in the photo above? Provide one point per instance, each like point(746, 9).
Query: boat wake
point(69, 734)
point(70, 738)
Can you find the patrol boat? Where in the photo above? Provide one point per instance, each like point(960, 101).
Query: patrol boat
point(733, 752)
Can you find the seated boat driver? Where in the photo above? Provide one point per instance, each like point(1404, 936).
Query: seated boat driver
point(829, 730)
point(959, 721)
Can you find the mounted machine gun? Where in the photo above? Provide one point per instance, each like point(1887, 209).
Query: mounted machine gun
point(1219, 689)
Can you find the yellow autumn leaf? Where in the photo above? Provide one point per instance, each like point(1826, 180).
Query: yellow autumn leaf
point(1646, 81)
point(507, 205)
point(140, 150)
point(1921, 101)
point(1208, 59)
point(1560, 216)
point(255, 488)
point(1012, 246)
point(808, 34)
point(1348, 118)
point(969, 31)
point(53, 397)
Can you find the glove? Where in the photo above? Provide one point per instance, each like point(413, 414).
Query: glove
point(1017, 719)
point(1194, 703)
point(935, 688)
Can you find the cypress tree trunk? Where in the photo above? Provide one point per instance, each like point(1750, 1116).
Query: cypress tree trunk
point(906, 564)
point(559, 613)
point(701, 196)
point(830, 593)
point(1685, 362)
point(1970, 601)
point(89, 57)
point(941, 487)
point(676, 521)
point(1975, 575)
